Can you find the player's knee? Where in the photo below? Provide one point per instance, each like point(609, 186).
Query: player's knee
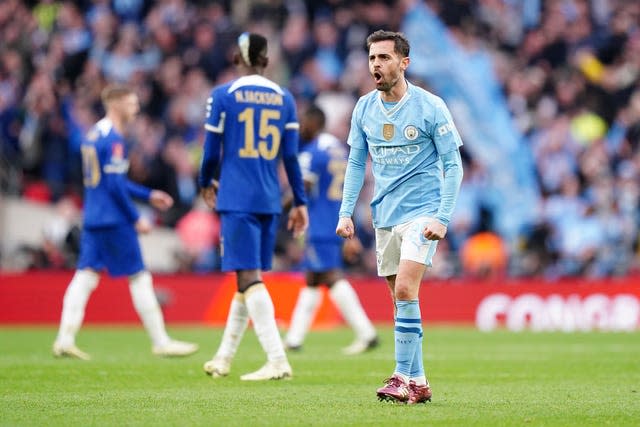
point(314, 280)
point(243, 288)
point(247, 279)
point(86, 279)
point(143, 278)
point(331, 278)
point(403, 291)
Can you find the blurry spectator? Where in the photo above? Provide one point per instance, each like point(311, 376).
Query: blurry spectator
point(128, 56)
point(328, 52)
point(538, 253)
point(75, 37)
point(43, 141)
point(60, 244)
point(569, 71)
point(130, 10)
point(61, 236)
point(297, 44)
point(199, 233)
point(45, 13)
point(209, 52)
point(484, 256)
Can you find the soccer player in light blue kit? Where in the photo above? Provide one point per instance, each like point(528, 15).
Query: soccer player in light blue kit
point(323, 161)
point(110, 230)
point(417, 170)
point(253, 123)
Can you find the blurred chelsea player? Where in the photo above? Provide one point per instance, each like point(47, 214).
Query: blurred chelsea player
point(323, 161)
point(251, 125)
point(110, 226)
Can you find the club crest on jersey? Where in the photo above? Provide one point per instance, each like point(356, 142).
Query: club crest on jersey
point(410, 132)
point(387, 131)
point(117, 151)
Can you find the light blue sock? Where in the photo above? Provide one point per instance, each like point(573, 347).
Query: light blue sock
point(417, 367)
point(408, 333)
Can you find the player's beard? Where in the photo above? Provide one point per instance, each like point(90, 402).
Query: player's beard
point(385, 84)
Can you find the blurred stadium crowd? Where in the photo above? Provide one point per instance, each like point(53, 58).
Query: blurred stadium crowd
point(567, 70)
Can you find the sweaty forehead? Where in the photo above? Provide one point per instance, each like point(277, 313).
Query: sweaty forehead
point(384, 47)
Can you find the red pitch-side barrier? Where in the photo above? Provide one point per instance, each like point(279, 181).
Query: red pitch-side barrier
point(574, 304)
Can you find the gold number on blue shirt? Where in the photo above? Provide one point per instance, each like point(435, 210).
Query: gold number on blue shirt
point(90, 166)
point(264, 150)
point(337, 169)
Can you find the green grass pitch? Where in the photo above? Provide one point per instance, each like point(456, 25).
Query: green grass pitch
point(478, 379)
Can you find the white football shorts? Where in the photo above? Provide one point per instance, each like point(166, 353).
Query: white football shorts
point(403, 241)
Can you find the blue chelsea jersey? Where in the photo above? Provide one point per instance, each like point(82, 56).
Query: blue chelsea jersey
point(258, 122)
point(323, 162)
point(107, 200)
point(404, 142)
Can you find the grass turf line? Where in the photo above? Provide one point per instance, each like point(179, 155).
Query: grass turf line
point(478, 379)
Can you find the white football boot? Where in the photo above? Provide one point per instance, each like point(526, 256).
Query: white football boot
point(218, 367)
point(360, 346)
point(71, 351)
point(280, 370)
point(175, 348)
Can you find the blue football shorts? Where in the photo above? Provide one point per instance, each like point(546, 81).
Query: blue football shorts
point(321, 256)
point(247, 240)
point(115, 248)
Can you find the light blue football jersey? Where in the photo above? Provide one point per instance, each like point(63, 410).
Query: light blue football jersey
point(404, 142)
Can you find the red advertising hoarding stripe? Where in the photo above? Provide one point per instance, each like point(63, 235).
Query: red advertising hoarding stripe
point(36, 298)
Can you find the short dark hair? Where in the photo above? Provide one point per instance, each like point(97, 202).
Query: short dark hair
point(400, 42)
point(114, 91)
point(253, 49)
point(315, 113)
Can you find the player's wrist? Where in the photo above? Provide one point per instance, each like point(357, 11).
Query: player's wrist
point(442, 220)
